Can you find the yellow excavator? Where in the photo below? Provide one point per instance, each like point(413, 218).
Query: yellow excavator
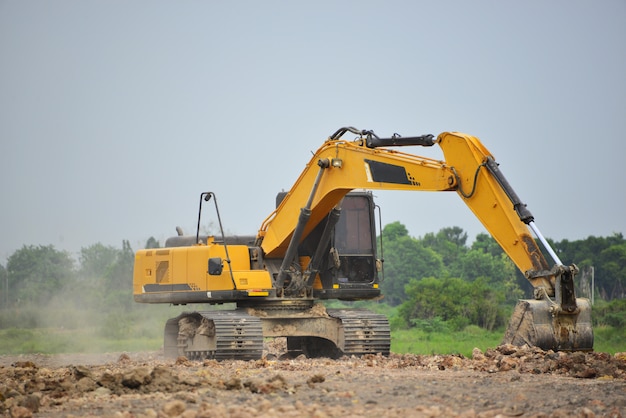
point(320, 243)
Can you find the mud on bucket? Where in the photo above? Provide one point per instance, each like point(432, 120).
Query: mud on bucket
point(539, 323)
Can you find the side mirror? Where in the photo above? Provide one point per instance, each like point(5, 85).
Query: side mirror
point(215, 266)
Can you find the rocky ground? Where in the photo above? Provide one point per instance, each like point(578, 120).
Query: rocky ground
point(503, 382)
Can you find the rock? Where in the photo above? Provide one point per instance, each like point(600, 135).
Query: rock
point(316, 378)
point(80, 372)
point(21, 412)
point(123, 358)
point(182, 361)
point(587, 413)
point(507, 349)
point(278, 381)
point(451, 362)
point(174, 408)
point(163, 376)
point(102, 391)
point(253, 385)
point(31, 402)
point(233, 383)
point(586, 373)
point(506, 364)
point(149, 413)
point(86, 384)
point(578, 357)
point(136, 377)
point(25, 364)
point(109, 380)
point(477, 354)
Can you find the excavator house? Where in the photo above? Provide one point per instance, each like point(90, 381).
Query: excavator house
point(320, 243)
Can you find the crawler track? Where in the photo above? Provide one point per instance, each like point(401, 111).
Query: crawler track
point(364, 332)
point(236, 336)
point(239, 335)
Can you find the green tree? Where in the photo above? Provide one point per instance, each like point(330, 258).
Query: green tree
point(432, 298)
point(594, 251)
point(4, 299)
point(476, 263)
point(152, 243)
point(106, 276)
point(614, 267)
point(405, 259)
point(117, 282)
point(37, 272)
point(498, 271)
point(395, 231)
point(96, 260)
point(449, 243)
point(457, 302)
point(95, 263)
point(510, 276)
point(486, 307)
point(487, 244)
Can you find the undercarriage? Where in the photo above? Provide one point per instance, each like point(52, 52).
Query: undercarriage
point(310, 329)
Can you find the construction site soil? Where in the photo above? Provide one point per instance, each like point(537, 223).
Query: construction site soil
point(506, 381)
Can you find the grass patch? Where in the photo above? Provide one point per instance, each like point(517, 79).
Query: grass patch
point(142, 330)
point(138, 330)
point(56, 341)
point(416, 341)
point(608, 339)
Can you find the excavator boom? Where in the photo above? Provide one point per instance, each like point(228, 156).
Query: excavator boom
point(361, 164)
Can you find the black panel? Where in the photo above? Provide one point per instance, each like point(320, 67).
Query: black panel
point(388, 173)
point(346, 293)
point(149, 288)
point(185, 297)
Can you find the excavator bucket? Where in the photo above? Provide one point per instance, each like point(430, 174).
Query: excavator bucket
point(535, 323)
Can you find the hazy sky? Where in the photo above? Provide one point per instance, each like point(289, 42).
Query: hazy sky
point(115, 115)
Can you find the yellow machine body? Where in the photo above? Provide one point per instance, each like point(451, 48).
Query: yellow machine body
point(183, 270)
point(319, 243)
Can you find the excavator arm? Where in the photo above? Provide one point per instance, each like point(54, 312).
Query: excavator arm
point(340, 166)
point(468, 169)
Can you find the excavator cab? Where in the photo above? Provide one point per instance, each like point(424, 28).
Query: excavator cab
point(353, 272)
point(354, 241)
point(349, 268)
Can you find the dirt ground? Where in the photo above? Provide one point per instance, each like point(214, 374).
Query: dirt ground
point(503, 382)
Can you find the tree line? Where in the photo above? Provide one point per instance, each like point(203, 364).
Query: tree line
point(46, 287)
point(437, 278)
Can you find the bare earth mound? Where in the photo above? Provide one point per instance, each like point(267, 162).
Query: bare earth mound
point(503, 382)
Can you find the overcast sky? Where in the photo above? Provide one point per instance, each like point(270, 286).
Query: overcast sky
point(115, 115)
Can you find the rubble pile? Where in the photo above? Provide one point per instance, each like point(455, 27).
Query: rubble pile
point(505, 381)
